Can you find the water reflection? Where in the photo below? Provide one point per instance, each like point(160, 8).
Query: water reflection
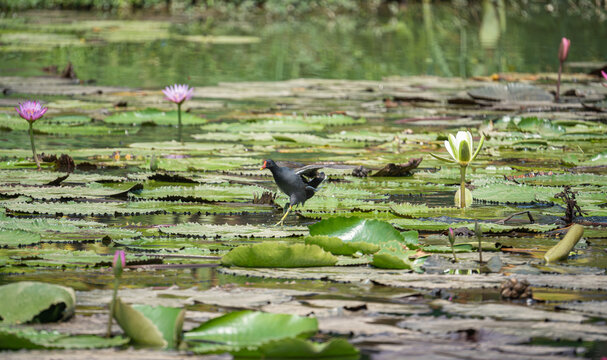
point(429, 38)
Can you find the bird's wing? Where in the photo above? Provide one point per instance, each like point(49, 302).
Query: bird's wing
point(315, 182)
point(308, 170)
point(310, 191)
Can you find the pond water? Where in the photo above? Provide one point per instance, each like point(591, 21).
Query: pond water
point(200, 202)
point(445, 40)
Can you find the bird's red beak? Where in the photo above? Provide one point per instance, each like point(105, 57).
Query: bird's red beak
point(265, 163)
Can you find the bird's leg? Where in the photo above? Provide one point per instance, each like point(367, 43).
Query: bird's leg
point(282, 220)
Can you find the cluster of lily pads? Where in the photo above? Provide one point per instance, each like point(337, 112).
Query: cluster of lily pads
point(252, 334)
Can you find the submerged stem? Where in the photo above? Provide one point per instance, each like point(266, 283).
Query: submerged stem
point(31, 131)
point(462, 188)
point(179, 121)
point(112, 307)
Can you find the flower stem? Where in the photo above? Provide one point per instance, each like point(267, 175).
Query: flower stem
point(112, 307)
point(462, 188)
point(179, 121)
point(558, 82)
point(31, 130)
point(453, 251)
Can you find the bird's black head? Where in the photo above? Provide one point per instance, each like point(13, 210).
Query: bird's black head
point(268, 164)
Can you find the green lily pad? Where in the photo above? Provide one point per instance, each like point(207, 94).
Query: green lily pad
point(18, 338)
point(354, 229)
point(241, 330)
point(153, 116)
point(393, 256)
point(156, 326)
point(91, 191)
point(13, 238)
point(264, 126)
point(27, 301)
point(294, 348)
point(279, 255)
point(336, 246)
point(231, 231)
point(507, 193)
point(203, 193)
point(542, 126)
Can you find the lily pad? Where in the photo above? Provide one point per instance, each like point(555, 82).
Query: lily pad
point(153, 116)
point(354, 229)
point(336, 246)
point(511, 92)
point(278, 255)
point(231, 231)
point(27, 301)
point(246, 329)
point(13, 238)
point(157, 326)
point(18, 338)
point(295, 348)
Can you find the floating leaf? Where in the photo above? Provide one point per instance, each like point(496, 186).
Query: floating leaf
point(506, 193)
point(295, 348)
point(241, 330)
point(153, 116)
point(18, 338)
point(336, 246)
point(354, 229)
point(231, 231)
point(540, 126)
point(27, 301)
point(511, 92)
point(272, 254)
point(203, 193)
point(157, 326)
point(14, 238)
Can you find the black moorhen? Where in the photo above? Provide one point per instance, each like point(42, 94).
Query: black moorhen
point(299, 185)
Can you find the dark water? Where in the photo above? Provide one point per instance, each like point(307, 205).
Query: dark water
point(443, 39)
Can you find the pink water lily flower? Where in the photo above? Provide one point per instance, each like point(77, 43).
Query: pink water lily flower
point(605, 76)
point(31, 110)
point(178, 93)
point(564, 49)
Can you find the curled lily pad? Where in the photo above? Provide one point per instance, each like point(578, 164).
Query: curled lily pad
point(157, 326)
point(241, 330)
point(271, 254)
point(27, 301)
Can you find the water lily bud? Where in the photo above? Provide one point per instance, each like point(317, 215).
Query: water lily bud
point(119, 263)
point(153, 163)
point(564, 49)
point(477, 230)
point(451, 236)
point(464, 152)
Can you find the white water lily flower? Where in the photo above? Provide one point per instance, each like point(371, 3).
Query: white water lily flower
point(460, 147)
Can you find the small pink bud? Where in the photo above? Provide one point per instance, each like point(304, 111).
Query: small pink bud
point(451, 236)
point(604, 76)
point(564, 49)
point(119, 254)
